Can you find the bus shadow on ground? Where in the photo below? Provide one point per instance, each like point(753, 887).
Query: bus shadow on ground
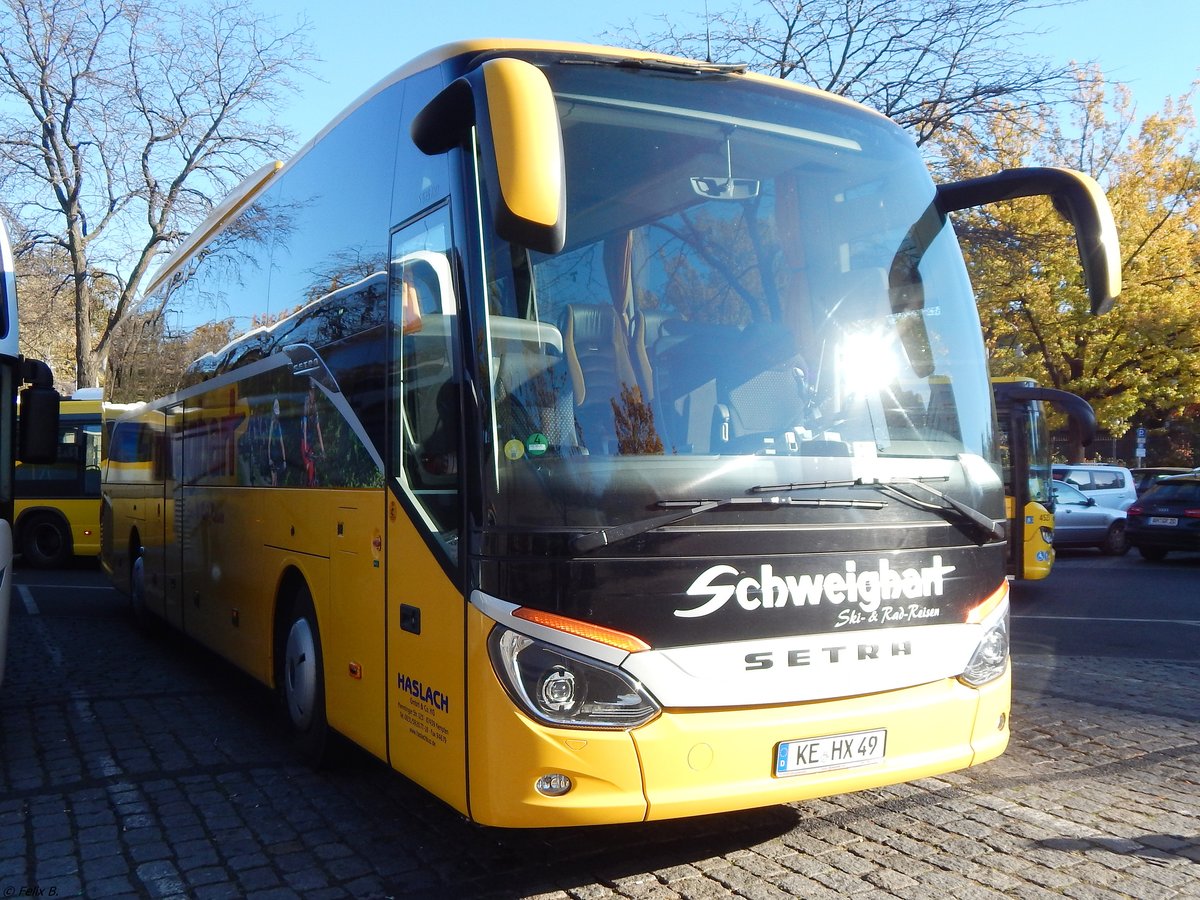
point(451, 856)
point(1160, 849)
point(412, 842)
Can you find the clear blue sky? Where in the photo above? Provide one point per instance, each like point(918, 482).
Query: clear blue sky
point(1153, 45)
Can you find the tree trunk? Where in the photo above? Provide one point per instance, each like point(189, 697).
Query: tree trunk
point(1074, 448)
point(87, 372)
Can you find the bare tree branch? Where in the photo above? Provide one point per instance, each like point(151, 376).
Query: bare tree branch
point(128, 120)
point(928, 64)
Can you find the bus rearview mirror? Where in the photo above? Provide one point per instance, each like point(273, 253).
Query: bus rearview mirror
point(37, 434)
point(511, 106)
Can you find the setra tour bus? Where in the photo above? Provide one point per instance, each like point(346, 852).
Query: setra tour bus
point(1025, 463)
point(603, 437)
point(34, 440)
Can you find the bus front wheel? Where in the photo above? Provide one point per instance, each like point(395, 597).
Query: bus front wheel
point(137, 588)
point(302, 679)
point(46, 542)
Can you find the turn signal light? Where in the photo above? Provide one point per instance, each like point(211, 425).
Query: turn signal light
point(598, 633)
point(982, 610)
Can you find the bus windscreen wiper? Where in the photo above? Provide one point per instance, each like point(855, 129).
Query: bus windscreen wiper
point(805, 485)
point(954, 510)
point(684, 509)
point(949, 508)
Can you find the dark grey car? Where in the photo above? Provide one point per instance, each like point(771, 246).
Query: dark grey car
point(1167, 517)
point(1144, 479)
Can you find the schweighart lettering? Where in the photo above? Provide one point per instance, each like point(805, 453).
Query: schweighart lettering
point(864, 589)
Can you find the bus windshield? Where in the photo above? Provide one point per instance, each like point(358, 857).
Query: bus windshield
point(756, 290)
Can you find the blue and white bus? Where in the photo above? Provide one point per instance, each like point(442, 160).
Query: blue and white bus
point(41, 424)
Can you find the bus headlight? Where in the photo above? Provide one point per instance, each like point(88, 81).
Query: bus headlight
point(990, 659)
point(559, 688)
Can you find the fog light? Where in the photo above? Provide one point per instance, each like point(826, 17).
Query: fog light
point(553, 785)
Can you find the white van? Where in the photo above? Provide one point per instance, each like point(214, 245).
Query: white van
point(1110, 486)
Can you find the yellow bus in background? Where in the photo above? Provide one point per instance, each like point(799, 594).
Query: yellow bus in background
point(57, 508)
point(1025, 455)
point(619, 445)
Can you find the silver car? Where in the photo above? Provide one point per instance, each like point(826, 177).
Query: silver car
point(1107, 485)
point(1080, 522)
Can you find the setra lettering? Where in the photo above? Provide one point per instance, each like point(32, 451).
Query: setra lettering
point(832, 655)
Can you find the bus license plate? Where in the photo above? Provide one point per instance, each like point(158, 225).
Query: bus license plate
point(836, 751)
point(1164, 520)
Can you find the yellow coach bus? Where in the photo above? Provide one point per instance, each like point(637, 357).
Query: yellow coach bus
point(58, 502)
point(1025, 456)
point(605, 437)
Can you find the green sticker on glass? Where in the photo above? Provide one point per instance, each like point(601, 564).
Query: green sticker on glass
point(536, 444)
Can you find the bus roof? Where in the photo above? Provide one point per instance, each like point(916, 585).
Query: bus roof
point(475, 47)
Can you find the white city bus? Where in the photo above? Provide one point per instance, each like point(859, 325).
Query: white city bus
point(620, 446)
point(38, 434)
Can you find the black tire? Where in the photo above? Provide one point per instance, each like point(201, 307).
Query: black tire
point(1116, 543)
point(301, 678)
point(1153, 554)
point(46, 542)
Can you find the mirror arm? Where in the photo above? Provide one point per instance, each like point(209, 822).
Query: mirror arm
point(1076, 197)
point(1078, 409)
point(444, 122)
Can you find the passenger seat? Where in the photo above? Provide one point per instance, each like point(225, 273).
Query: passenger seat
point(596, 347)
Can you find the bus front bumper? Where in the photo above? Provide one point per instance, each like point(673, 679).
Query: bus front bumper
point(705, 762)
point(694, 762)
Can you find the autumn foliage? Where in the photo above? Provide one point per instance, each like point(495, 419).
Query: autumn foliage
point(1136, 365)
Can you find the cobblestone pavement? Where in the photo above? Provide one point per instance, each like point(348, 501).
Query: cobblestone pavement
point(135, 765)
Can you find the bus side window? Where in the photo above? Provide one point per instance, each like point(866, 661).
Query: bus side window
point(425, 395)
point(91, 460)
